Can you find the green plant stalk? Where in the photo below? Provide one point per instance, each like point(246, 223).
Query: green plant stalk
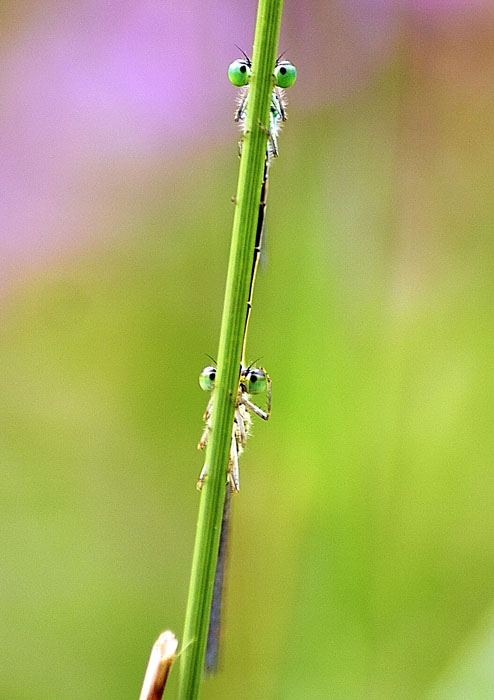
point(230, 349)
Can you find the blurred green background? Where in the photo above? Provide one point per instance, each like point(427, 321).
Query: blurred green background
point(362, 562)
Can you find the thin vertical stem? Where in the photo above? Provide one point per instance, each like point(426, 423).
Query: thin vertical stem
point(230, 348)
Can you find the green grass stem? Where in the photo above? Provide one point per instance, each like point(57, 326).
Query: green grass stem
point(230, 349)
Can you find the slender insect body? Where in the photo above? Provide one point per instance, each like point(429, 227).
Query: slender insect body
point(253, 381)
point(284, 76)
point(277, 115)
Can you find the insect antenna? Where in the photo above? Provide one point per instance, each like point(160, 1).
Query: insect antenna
point(244, 54)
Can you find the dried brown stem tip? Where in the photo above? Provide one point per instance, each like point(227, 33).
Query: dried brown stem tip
point(160, 661)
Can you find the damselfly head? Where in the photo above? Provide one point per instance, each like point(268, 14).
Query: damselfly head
point(240, 71)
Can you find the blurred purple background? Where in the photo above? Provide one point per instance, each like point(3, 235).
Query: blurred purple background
point(96, 96)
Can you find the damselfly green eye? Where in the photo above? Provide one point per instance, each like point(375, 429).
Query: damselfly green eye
point(239, 72)
point(285, 74)
point(207, 377)
point(255, 381)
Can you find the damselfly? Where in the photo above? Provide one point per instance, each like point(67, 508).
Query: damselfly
point(285, 74)
point(253, 381)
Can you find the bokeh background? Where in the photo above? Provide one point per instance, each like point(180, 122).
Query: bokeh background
point(362, 562)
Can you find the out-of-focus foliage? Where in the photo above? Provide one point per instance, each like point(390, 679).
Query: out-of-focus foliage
point(362, 561)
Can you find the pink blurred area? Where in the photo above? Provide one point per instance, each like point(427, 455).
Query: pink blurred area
point(94, 95)
point(99, 98)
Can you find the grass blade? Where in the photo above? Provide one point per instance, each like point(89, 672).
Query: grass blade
point(230, 348)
